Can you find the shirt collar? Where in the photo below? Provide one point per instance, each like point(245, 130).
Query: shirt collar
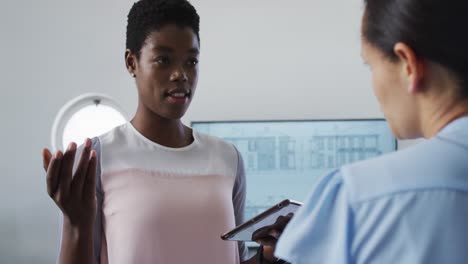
point(456, 125)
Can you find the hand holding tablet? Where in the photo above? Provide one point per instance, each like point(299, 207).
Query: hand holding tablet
point(266, 225)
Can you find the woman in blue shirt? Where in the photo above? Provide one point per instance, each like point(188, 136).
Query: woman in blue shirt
point(410, 206)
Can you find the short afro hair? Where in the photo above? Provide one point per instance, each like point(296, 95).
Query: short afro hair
point(146, 16)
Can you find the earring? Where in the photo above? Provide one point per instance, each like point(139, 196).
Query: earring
point(133, 75)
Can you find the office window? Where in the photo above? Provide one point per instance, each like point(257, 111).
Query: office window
point(284, 158)
point(88, 115)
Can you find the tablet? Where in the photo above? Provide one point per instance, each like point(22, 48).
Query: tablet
point(244, 231)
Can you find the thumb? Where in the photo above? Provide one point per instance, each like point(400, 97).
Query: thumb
point(46, 157)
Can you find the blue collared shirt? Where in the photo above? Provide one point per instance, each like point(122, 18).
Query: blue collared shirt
point(410, 206)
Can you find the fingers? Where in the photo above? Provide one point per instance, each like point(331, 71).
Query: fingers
point(46, 157)
point(80, 174)
point(267, 242)
point(261, 233)
point(282, 222)
point(89, 189)
point(53, 171)
point(268, 235)
point(66, 173)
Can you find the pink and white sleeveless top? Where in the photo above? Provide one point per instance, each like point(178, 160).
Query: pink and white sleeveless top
point(168, 206)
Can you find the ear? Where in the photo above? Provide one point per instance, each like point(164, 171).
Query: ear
point(131, 62)
point(413, 68)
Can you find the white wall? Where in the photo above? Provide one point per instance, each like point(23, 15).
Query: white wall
point(282, 59)
point(263, 59)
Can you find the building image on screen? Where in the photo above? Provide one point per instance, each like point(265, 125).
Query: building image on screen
point(283, 159)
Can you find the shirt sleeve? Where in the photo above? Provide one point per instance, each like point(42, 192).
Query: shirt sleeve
point(238, 200)
point(320, 231)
